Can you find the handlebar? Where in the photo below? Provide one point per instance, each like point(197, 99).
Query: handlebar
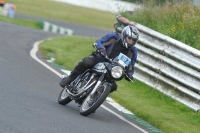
point(107, 59)
point(102, 54)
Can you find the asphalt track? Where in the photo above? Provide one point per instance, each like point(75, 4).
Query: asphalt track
point(29, 90)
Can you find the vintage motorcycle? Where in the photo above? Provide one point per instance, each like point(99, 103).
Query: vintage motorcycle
point(92, 87)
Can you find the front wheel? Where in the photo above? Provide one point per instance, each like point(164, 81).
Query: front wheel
point(63, 97)
point(91, 104)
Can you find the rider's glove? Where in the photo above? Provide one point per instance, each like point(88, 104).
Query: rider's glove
point(98, 56)
point(129, 78)
point(103, 50)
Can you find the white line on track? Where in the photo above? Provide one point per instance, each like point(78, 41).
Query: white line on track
point(33, 55)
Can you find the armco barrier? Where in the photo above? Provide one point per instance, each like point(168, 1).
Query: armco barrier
point(168, 65)
point(49, 27)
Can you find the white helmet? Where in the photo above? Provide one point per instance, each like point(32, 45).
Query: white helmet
point(130, 32)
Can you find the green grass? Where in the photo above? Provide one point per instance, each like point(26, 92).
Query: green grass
point(65, 12)
point(180, 20)
point(23, 22)
point(161, 111)
point(64, 50)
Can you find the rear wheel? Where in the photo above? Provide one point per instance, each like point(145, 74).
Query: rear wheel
point(63, 97)
point(91, 104)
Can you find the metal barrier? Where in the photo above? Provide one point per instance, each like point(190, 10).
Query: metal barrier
point(168, 65)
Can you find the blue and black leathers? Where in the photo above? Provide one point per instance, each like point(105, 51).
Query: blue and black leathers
point(112, 45)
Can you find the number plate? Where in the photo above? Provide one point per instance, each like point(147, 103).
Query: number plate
point(123, 60)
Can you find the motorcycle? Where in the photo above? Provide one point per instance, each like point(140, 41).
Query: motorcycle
point(92, 87)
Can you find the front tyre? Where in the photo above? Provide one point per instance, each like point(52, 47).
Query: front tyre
point(90, 105)
point(63, 97)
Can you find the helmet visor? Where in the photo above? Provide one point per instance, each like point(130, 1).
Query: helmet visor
point(130, 40)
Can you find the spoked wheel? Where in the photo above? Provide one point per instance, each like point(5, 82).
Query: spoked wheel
point(91, 104)
point(64, 98)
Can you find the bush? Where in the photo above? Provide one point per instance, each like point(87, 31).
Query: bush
point(178, 20)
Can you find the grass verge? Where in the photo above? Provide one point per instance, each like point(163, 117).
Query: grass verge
point(177, 19)
point(65, 12)
point(147, 103)
point(23, 22)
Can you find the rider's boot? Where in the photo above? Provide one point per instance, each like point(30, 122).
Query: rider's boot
point(65, 81)
point(80, 68)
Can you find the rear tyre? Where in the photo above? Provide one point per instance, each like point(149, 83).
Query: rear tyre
point(63, 97)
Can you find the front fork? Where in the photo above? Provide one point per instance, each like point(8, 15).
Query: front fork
point(92, 94)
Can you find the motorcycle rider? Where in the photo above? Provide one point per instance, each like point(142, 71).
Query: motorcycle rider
point(111, 45)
